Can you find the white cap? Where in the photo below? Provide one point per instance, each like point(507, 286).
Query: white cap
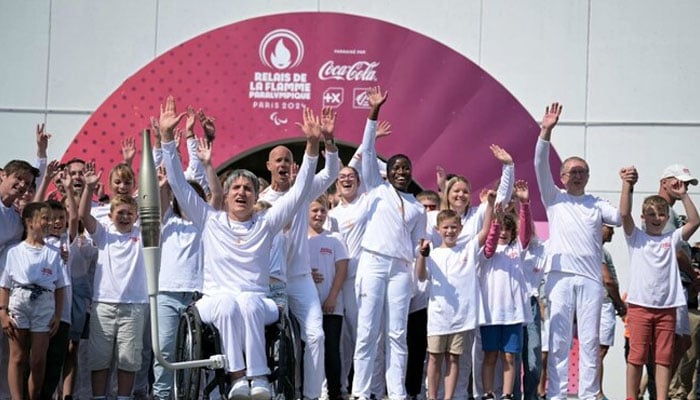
point(680, 172)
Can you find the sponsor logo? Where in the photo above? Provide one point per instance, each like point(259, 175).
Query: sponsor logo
point(364, 71)
point(281, 49)
point(333, 97)
point(359, 98)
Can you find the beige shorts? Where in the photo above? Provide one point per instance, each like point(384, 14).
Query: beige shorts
point(116, 330)
point(32, 314)
point(452, 343)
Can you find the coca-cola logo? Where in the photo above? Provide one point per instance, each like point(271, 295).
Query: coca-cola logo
point(359, 71)
point(288, 50)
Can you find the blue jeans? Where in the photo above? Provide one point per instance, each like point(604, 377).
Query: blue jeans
point(531, 355)
point(170, 306)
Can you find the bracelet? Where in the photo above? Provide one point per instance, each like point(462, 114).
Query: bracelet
point(330, 141)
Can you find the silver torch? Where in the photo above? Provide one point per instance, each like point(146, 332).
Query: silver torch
point(149, 212)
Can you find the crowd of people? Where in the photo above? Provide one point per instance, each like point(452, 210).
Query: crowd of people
point(381, 282)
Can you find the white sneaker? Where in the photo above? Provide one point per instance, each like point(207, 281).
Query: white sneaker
point(240, 390)
point(260, 389)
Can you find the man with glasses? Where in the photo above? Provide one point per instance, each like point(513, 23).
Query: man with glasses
point(574, 285)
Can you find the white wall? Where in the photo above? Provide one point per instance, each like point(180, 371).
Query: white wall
point(626, 71)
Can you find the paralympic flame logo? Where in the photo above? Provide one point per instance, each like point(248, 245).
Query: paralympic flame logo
point(288, 49)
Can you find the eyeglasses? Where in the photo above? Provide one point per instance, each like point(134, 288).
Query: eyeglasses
point(576, 172)
point(430, 207)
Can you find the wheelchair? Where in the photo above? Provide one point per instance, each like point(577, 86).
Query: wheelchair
point(197, 340)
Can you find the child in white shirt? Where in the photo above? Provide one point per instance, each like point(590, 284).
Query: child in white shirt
point(120, 298)
point(329, 267)
point(655, 289)
point(453, 306)
point(29, 312)
point(503, 290)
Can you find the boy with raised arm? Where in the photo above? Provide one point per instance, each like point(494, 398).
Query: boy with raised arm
point(655, 289)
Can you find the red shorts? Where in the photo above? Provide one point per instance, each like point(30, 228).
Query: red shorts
point(651, 328)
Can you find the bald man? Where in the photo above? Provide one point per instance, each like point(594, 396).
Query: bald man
point(301, 289)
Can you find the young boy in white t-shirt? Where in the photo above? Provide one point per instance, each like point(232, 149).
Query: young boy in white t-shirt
point(120, 298)
point(454, 302)
point(31, 301)
point(329, 266)
point(655, 288)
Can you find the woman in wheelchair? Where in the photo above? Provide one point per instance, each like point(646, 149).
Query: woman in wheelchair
point(237, 244)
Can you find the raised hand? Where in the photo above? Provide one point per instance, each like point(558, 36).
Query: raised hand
point(551, 116)
point(177, 136)
point(189, 121)
point(66, 181)
point(678, 188)
point(629, 175)
point(42, 141)
point(162, 176)
point(155, 127)
point(375, 97)
point(311, 125)
point(169, 118)
point(91, 177)
point(383, 129)
point(52, 169)
point(491, 196)
point(441, 178)
point(293, 172)
point(204, 151)
point(328, 122)
point(501, 155)
point(207, 125)
point(521, 191)
point(128, 149)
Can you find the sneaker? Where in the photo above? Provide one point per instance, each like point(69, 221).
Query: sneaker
point(240, 390)
point(260, 389)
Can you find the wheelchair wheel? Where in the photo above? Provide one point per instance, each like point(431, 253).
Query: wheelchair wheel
point(188, 346)
point(281, 359)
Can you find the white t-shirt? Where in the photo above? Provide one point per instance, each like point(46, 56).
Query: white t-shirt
point(182, 257)
point(28, 265)
point(278, 257)
point(325, 249)
point(11, 227)
point(352, 220)
point(298, 249)
point(236, 254)
point(654, 279)
point(58, 244)
point(534, 265)
point(503, 287)
point(120, 274)
point(575, 223)
point(454, 304)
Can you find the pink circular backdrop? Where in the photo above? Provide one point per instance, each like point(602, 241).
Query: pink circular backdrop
point(255, 76)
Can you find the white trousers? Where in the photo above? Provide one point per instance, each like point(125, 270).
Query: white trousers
point(349, 331)
point(306, 308)
point(383, 288)
point(569, 294)
point(241, 321)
